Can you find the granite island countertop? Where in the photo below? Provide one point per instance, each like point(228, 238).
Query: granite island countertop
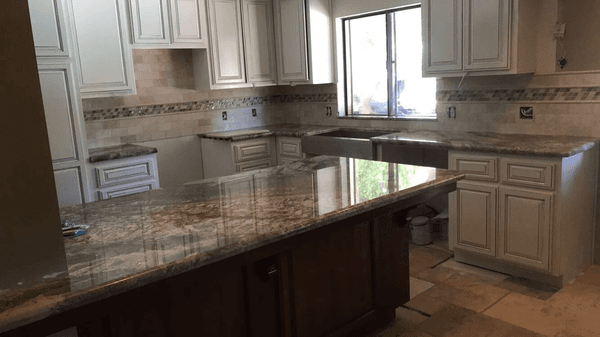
point(119, 151)
point(519, 144)
point(144, 238)
point(285, 130)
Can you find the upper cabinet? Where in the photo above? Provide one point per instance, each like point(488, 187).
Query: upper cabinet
point(168, 23)
point(104, 54)
point(303, 31)
point(483, 37)
point(242, 46)
point(48, 25)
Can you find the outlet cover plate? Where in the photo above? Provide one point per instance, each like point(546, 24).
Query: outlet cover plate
point(224, 114)
point(526, 112)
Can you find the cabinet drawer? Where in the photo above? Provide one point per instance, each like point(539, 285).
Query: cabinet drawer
point(253, 165)
point(250, 151)
point(475, 168)
point(121, 191)
point(107, 176)
point(290, 148)
point(527, 173)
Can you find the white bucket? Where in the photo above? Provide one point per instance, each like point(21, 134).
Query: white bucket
point(420, 231)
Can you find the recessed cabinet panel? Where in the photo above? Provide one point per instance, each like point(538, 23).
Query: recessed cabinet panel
point(291, 39)
point(253, 165)
point(68, 186)
point(533, 174)
point(187, 21)
point(487, 33)
point(289, 147)
point(226, 41)
point(476, 218)
point(149, 18)
point(475, 167)
point(58, 108)
point(106, 65)
point(525, 223)
point(251, 151)
point(442, 35)
point(48, 25)
point(259, 41)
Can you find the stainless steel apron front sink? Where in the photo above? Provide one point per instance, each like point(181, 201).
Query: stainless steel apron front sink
point(344, 143)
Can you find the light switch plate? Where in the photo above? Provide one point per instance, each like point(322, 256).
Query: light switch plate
point(224, 114)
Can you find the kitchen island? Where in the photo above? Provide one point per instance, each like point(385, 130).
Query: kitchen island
point(316, 247)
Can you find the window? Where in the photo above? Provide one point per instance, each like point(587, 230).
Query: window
point(383, 61)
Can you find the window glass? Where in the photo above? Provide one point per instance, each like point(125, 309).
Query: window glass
point(368, 55)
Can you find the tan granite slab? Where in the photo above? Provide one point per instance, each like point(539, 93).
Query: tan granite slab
point(147, 237)
point(119, 151)
point(285, 130)
point(554, 146)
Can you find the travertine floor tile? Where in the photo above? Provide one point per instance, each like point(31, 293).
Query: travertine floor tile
point(480, 325)
point(573, 311)
point(404, 325)
point(421, 258)
point(426, 304)
point(527, 287)
point(591, 276)
point(476, 297)
point(418, 286)
point(445, 320)
point(455, 272)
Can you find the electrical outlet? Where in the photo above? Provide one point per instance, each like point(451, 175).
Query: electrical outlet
point(451, 111)
point(328, 111)
point(253, 112)
point(526, 112)
point(224, 114)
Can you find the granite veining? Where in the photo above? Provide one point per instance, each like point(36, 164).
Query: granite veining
point(119, 151)
point(285, 130)
point(147, 237)
point(538, 145)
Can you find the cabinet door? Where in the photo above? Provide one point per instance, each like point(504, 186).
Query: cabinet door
point(259, 41)
point(486, 33)
point(149, 21)
point(442, 35)
point(69, 186)
point(227, 57)
point(524, 229)
point(105, 61)
point(474, 218)
point(290, 32)
point(188, 22)
point(49, 27)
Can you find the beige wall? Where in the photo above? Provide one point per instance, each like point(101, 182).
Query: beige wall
point(582, 41)
point(30, 237)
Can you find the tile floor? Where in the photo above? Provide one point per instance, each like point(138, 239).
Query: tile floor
point(449, 298)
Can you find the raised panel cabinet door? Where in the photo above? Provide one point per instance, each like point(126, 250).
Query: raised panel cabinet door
point(259, 41)
point(442, 35)
point(475, 212)
point(69, 186)
point(291, 40)
point(188, 21)
point(524, 228)
point(49, 27)
point(105, 61)
point(486, 34)
point(227, 47)
point(60, 108)
point(149, 21)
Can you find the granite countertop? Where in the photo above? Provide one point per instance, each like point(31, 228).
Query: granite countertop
point(140, 239)
point(287, 130)
point(119, 151)
point(549, 146)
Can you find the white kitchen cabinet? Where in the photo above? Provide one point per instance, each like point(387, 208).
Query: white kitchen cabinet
point(66, 130)
point(242, 46)
point(168, 23)
point(289, 149)
point(524, 216)
point(224, 157)
point(103, 49)
point(125, 176)
point(478, 37)
point(49, 28)
point(303, 33)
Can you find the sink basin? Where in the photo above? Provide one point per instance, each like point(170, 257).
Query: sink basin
point(343, 143)
point(360, 134)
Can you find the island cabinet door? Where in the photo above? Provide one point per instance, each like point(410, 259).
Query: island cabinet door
point(332, 281)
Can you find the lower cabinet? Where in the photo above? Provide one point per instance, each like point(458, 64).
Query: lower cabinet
point(121, 177)
point(289, 149)
point(69, 186)
point(524, 216)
